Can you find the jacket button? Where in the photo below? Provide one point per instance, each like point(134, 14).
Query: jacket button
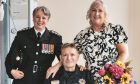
point(36, 53)
point(35, 62)
point(38, 44)
point(25, 46)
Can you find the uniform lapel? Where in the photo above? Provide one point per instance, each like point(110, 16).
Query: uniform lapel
point(32, 35)
point(45, 35)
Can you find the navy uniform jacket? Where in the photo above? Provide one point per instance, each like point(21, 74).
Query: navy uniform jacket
point(36, 55)
point(77, 77)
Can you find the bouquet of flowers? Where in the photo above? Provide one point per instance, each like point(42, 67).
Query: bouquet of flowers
point(117, 73)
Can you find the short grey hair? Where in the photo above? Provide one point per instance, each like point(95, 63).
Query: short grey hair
point(44, 9)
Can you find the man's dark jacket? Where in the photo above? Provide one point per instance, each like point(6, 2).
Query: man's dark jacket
point(77, 77)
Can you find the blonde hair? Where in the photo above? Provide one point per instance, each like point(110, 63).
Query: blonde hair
point(93, 5)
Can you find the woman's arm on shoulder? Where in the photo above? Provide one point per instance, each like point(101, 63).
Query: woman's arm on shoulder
point(53, 70)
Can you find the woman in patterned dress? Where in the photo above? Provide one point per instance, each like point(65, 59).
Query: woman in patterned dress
point(101, 42)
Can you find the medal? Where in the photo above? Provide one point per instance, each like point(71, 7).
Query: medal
point(43, 48)
point(47, 48)
point(52, 48)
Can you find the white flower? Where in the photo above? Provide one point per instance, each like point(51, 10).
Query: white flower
point(55, 82)
point(82, 81)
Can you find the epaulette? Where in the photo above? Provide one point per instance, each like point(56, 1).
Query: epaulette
point(25, 29)
point(54, 32)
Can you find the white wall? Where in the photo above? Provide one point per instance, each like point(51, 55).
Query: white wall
point(134, 40)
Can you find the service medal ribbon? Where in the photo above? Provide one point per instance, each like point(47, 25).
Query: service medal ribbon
point(43, 48)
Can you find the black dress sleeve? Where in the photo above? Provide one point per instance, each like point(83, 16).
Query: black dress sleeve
point(58, 46)
point(120, 35)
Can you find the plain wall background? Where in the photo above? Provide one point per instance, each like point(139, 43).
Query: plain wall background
point(134, 37)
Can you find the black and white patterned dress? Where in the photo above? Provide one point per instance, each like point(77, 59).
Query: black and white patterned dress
point(99, 48)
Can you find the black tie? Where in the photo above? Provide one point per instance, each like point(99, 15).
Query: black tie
point(38, 35)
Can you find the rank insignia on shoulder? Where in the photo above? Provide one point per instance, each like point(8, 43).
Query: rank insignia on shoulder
point(54, 32)
point(25, 29)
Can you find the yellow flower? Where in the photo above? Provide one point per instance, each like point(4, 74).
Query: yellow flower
point(125, 79)
point(121, 64)
point(107, 80)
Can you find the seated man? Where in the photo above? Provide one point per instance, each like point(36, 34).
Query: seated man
point(69, 72)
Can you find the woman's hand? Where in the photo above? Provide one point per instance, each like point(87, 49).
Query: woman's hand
point(82, 68)
point(50, 71)
point(53, 70)
point(17, 74)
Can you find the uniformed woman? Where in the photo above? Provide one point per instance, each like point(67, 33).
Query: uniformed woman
point(33, 50)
